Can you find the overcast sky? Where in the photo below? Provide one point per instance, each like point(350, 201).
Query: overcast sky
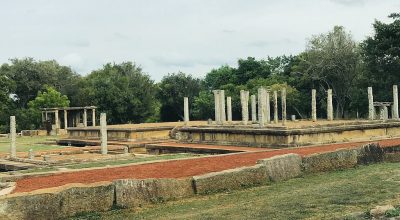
point(165, 36)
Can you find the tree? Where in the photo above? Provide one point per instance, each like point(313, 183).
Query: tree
point(50, 98)
point(381, 53)
point(219, 77)
point(333, 61)
point(250, 68)
point(172, 89)
point(123, 91)
point(31, 76)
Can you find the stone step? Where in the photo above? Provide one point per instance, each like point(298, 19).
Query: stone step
point(7, 165)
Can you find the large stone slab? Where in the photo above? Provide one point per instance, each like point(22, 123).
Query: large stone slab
point(282, 167)
point(336, 160)
point(135, 193)
point(56, 203)
point(230, 179)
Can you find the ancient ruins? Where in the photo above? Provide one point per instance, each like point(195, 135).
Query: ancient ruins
point(253, 139)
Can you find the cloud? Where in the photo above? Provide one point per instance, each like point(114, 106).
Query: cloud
point(349, 2)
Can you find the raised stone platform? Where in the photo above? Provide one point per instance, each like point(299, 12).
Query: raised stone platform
point(291, 135)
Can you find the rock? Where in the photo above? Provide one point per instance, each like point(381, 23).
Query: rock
point(380, 210)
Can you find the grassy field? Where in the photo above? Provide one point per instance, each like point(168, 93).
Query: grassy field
point(317, 196)
point(26, 143)
point(113, 162)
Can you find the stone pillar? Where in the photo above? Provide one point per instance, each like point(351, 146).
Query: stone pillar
point(261, 106)
point(93, 117)
point(267, 107)
point(283, 97)
point(43, 118)
point(217, 106)
point(253, 109)
point(31, 154)
point(103, 133)
point(314, 105)
point(329, 106)
point(57, 120)
point(222, 106)
point(47, 117)
point(229, 108)
point(13, 136)
point(276, 107)
point(244, 100)
point(186, 109)
point(65, 119)
point(395, 103)
point(371, 109)
point(84, 117)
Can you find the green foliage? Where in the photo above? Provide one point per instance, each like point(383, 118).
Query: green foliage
point(50, 98)
point(203, 105)
point(123, 91)
point(381, 54)
point(172, 89)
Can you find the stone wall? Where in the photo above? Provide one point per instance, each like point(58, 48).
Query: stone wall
point(136, 193)
point(230, 179)
point(56, 203)
point(61, 202)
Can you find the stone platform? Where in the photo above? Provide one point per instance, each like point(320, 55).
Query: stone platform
point(294, 134)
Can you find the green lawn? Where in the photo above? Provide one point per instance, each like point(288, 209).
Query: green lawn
point(317, 196)
point(26, 143)
point(113, 162)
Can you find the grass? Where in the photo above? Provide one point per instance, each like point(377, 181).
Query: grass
point(316, 196)
point(26, 143)
point(112, 162)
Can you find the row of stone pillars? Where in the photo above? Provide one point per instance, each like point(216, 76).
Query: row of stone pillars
point(383, 105)
point(329, 105)
point(13, 135)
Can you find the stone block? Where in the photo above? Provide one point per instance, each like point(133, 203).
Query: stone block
point(230, 179)
point(391, 157)
point(135, 193)
point(336, 160)
point(370, 153)
point(282, 167)
point(59, 202)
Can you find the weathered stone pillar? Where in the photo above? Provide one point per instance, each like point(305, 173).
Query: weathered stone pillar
point(13, 136)
point(244, 100)
point(186, 110)
point(395, 103)
point(84, 117)
point(314, 105)
point(103, 133)
point(371, 109)
point(57, 120)
point(47, 117)
point(276, 107)
point(267, 107)
point(65, 119)
point(229, 108)
point(261, 106)
point(31, 154)
point(217, 106)
point(253, 109)
point(93, 117)
point(329, 106)
point(43, 118)
point(283, 97)
point(222, 106)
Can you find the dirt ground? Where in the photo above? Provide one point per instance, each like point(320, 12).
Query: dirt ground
point(175, 169)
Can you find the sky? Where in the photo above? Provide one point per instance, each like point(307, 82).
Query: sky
point(167, 36)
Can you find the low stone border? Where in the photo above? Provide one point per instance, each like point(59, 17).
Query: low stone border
point(230, 179)
point(68, 200)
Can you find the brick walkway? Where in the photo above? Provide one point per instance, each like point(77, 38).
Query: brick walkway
point(177, 168)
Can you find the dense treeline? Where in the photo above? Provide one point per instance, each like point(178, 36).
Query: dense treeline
point(331, 60)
